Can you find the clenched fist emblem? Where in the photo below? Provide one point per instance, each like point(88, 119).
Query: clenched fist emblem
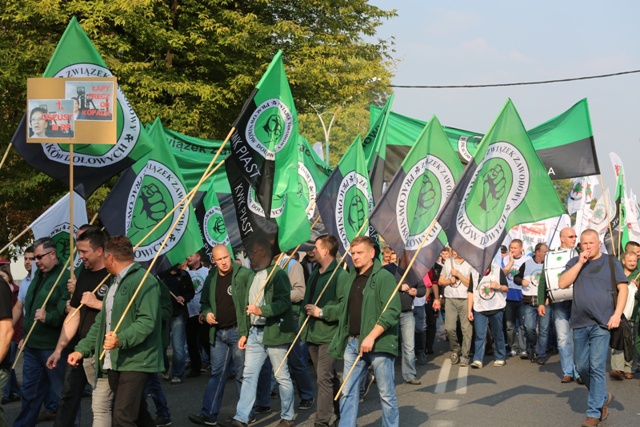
point(152, 209)
point(356, 212)
point(274, 126)
point(218, 226)
point(426, 197)
point(493, 188)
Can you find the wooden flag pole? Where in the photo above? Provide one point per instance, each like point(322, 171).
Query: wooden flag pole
point(324, 288)
point(15, 239)
point(6, 154)
point(166, 239)
point(71, 230)
point(44, 304)
point(82, 305)
point(406, 271)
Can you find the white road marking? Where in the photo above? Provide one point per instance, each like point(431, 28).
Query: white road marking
point(443, 377)
point(461, 384)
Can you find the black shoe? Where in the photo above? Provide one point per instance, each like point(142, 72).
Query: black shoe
point(202, 420)
point(163, 422)
point(274, 395)
point(262, 409)
point(236, 423)
point(305, 404)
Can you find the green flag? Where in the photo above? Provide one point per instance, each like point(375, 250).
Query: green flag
point(504, 185)
point(416, 194)
point(346, 201)
point(375, 149)
point(94, 164)
point(313, 172)
point(144, 195)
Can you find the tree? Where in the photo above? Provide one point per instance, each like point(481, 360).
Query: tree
point(190, 62)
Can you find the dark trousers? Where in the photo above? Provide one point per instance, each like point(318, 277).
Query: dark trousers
point(72, 390)
point(193, 343)
point(129, 404)
point(328, 383)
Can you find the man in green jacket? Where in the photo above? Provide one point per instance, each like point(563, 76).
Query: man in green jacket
point(368, 328)
point(323, 323)
point(36, 378)
point(134, 352)
point(223, 301)
point(268, 332)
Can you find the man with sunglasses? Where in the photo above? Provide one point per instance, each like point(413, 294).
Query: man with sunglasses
point(36, 378)
point(561, 313)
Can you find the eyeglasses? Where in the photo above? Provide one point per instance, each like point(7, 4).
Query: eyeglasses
point(39, 257)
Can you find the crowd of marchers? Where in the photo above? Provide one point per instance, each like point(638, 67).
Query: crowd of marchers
point(106, 328)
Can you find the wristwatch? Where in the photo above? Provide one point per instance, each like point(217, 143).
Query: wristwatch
point(320, 314)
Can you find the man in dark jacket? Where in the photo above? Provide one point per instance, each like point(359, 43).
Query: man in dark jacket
point(368, 328)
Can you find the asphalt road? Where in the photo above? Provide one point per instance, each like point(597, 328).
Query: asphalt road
point(518, 394)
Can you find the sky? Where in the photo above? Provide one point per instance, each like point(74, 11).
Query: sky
point(488, 42)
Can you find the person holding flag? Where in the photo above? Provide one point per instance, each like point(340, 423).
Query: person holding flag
point(368, 334)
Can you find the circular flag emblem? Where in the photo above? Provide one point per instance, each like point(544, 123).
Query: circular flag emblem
point(307, 188)
point(423, 192)
point(500, 183)
point(60, 235)
point(155, 190)
point(216, 231)
point(270, 125)
point(353, 206)
point(277, 204)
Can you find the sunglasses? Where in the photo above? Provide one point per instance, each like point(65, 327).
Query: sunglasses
point(39, 257)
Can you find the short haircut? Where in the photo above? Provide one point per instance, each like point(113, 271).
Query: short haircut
point(590, 231)
point(363, 240)
point(46, 243)
point(29, 249)
point(629, 253)
point(539, 246)
point(516, 241)
point(121, 248)
point(37, 110)
point(387, 250)
point(329, 242)
point(631, 244)
point(95, 236)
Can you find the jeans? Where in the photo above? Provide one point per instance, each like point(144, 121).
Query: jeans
point(221, 353)
point(37, 381)
point(101, 397)
point(536, 341)
point(407, 330)
point(382, 364)
point(254, 357)
point(178, 342)
point(514, 319)
point(4, 380)
point(328, 383)
point(12, 388)
point(457, 309)
point(561, 314)
point(591, 345)
point(299, 368)
point(420, 338)
point(153, 388)
point(495, 322)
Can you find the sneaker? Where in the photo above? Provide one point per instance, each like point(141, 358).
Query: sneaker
point(541, 361)
point(305, 404)
point(512, 353)
point(262, 409)
point(163, 422)
point(604, 411)
point(285, 423)
point(499, 363)
point(524, 355)
point(476, 364)
point(464, 361)
point(200, 419)
point(176, 380)
point(455, 359)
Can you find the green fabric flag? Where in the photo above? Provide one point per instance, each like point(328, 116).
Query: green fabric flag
point(346, 201)
point(144, 195)
point(265, 139)
point(504, 185)
point(94, 164)
point(313, 174)
point(416, 194)
point(375, 149)
point(564, 143)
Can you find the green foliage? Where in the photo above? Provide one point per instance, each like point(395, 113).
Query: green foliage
point(193, 63)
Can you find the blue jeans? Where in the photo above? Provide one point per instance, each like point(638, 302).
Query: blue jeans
point(420, 338)
point(12, 387)
point(591, 345)
point(299, 368)
point(37, 380)
point(178, 343)
point(382, 364)
point(407, 330)
point(221, 353)
point(154, 389)
point(254, 358)
point(480, 322)
point(561, 314)
point(536, 341)
point(514, 321)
